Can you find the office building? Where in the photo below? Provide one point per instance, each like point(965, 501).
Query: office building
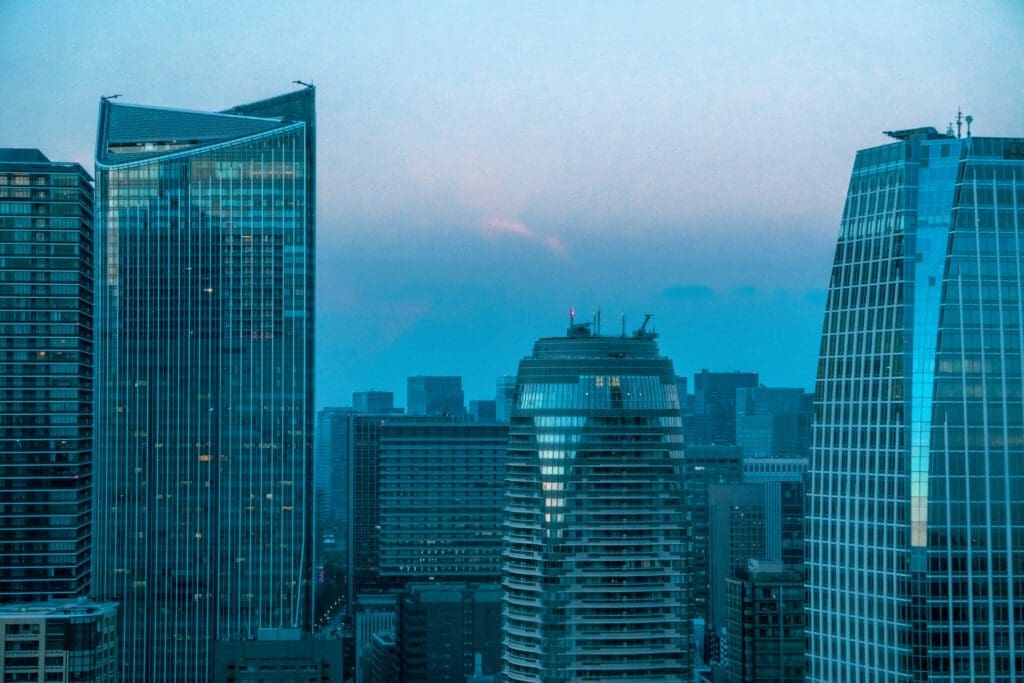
point(916, 483)
point(46, 377)
point(278, 656)
point(59, 640)
point(704, 466)
point(594, 580)
point(331, 470)
point(773, 422)
point(373, 402)
point(204, 390)
point(765, 634)
point(483, 411)
point(441, 499)
point(436, 397)
point(444, 628)
point(505, 395)
point(714, 406)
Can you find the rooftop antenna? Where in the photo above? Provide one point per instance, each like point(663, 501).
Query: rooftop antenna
point(969, 119)
point(623, 324)
point(949, 129)
point(572, 316)
point(959, 122)
point(304, 84)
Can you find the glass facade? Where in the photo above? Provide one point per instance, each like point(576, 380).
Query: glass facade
point(594, 578)
point(205, 227)
point(46, 377)
point(916, 535)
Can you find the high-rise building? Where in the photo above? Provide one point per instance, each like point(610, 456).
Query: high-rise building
point(436, 397)
point(773, 422)
point(373, 402)
point(204, 399)
point(46, 377)
point(714, 406)
point(504, 397)
point(483, 411)
point(594, 580)
point(331, 478)
point(704, 466)
point(443, 627)
point(59, 640)
point(916, 493)
point(765, 634)
point(441, 499)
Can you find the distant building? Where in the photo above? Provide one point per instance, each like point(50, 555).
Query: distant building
point(765, 631)
point(59, 641)
point(756, 470)
point(331, 475)
point(916, 486)
point(46, 377)
point(595, 581)
point(483, 411)
point(444, 627)
point(278, 657)
point(773, 422)
point(738, 516)
point(373, 402)
point(714, 406)
point(704, 466)
point(505, 394)
point(441, 499)
point(436, 396)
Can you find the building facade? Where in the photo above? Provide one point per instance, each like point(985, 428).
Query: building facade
point(916, 493)
point(46, 377)
point(204, 401)
point(594, 579)
point(765, 633)
point(436, 396)
point(61, 641)
point(441, 500)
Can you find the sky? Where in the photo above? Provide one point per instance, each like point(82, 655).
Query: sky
point(485, 167)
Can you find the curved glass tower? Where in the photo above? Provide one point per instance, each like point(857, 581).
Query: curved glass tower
point(594, 578)
point(915, 530)
point(204, 405)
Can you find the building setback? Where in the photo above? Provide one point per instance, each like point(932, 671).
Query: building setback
point(916, 493)
point(594, 580)
point(46, 377)
point(204, 402)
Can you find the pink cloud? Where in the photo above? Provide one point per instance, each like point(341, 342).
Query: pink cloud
point(493, 227)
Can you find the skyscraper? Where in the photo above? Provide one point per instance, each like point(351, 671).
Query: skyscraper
point(916, 494)
point(714, 406)
point(594, 560)
point(46, 377)
point(206, 226)
point(436, 396)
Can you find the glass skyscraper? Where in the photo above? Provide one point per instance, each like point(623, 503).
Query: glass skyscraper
point(46, 377)
point(594, 579)
point(205, 235)
point(916, 494)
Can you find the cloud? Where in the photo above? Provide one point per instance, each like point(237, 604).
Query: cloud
point(688, 292)
point(492, 227)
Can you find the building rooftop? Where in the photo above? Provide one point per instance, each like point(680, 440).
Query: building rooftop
point(55, 608)
point(22, 155)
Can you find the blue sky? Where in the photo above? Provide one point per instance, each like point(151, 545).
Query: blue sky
point(485, 166)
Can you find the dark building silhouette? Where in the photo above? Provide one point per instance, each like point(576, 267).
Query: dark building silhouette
point(46, 377)
point(765, 632)
point(594, 554)
point(483, 411)
point(915, 512)
point(204, 377)
point(436, 396)
point(713, 420)
point(373, 402)
point(773, 422)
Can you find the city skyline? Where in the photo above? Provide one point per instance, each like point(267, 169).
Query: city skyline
point(680, 161)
